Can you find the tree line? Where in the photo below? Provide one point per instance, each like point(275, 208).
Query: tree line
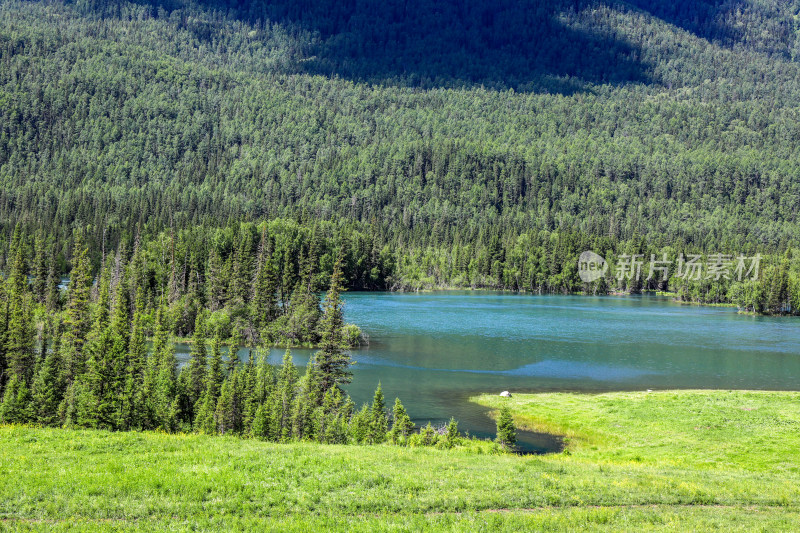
point(186, 115)
point(104, 358)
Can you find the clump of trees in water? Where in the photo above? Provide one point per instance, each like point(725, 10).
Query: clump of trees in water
point(104, 358)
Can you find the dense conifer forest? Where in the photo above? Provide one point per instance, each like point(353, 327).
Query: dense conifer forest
point(199, 169)
point(103, 356)
point(440, 144)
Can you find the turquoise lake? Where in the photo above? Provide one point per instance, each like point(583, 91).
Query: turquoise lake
point(435, 350)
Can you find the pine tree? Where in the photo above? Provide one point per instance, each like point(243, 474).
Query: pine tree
point(506, 430)
point(402, 426)
point(20, 336)
point(265, 307)
point(133, 404)
point(77, 321)
point(378, 423)
point(285, 391)
point(17, 406)
point(47, 390)
point(451, 434)
point(92, 406)
point(204, 419)
point(194, 374)
point(40, 270)
point(332, 359)
point(160, 383)
point(228, 415)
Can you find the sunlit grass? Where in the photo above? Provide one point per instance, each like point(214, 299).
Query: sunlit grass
point(664, 460)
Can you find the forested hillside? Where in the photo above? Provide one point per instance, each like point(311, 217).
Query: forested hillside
point(446, 143)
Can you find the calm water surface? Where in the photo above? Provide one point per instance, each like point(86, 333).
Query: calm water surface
point(435, 350)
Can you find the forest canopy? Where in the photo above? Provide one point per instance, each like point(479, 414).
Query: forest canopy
point(446, 143)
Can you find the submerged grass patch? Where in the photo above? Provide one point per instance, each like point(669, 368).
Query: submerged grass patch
point(667, 460)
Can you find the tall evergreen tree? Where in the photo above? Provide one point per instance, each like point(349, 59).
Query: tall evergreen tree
point(285, 391)
point(20, 335)
point(402, 426)
point(77, 320)
point(205, 411)
point(332, 360)
point(378, 423)
point(193, 376)
point(160, 384)
point(133, 405)
point(48, 389)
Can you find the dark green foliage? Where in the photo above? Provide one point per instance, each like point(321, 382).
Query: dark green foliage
point(506, 430)
point(378, 422)
point(451, 434)
point(671, 125)
point(360, 425)
point(77, 319)
point(160, 380)
point(402, 426)
point(17, 406)
point(207, 405)
point(332, 361)
point(193, 378)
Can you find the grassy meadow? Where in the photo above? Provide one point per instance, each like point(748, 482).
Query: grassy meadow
point(672, 461)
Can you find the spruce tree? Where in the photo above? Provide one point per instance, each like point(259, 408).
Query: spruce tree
point(133, 405)
point(402, 426)
point(265, 307)
point(194, 374)
point(160, 383)
point(77, 320)
point(40, 269)
point(332, 360)
point(451, 434)
point(506, 430)
point(93, 403)
point(53, 291)
point(360, 425)
point(3, 330)
point(47, 390)
point(378, 423)
point(285, 391)
point(17, 406)
point(207, 405)
point(20, 335)
point(247, 390)
point(228, 415)
point(19, 346)
point(304, 406)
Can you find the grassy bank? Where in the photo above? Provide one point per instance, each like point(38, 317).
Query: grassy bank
point(672, 461)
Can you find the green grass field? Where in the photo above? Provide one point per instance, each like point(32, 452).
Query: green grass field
point(662, 461)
